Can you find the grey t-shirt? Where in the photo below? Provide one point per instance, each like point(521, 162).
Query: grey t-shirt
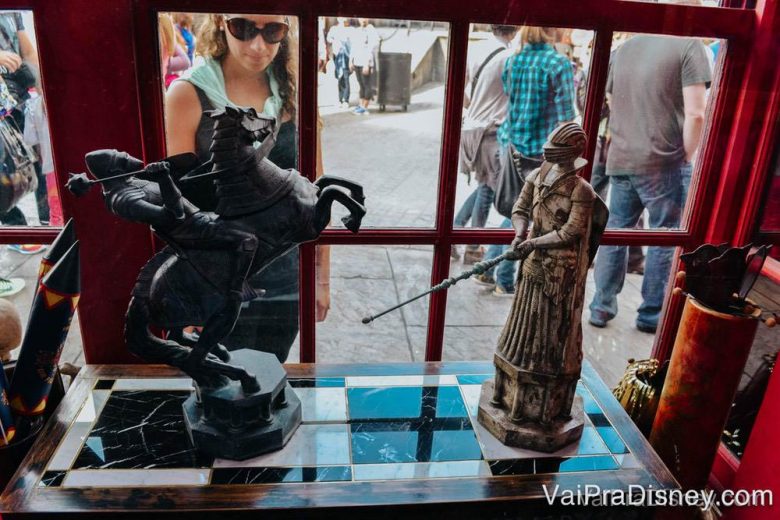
point(645, 81)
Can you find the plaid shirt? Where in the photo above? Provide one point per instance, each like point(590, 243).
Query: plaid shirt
point(540, 85)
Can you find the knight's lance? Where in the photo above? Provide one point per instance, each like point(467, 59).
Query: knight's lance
point(479, 268)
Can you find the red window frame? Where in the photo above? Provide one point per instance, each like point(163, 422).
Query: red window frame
point(101, 81)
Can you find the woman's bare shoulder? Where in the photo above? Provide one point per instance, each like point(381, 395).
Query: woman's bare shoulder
point(182, 97)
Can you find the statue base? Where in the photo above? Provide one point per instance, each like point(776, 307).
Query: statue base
point(227, 423)
point(530, 435)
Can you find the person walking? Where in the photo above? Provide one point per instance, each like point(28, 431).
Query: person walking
point(540, 84)
point(341, 47)
point(486, 104)
point(363, 61)
point(656, 91)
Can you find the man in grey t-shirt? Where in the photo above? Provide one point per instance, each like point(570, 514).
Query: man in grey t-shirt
point(657, 94)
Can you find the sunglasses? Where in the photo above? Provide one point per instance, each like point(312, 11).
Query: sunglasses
point(246, 30)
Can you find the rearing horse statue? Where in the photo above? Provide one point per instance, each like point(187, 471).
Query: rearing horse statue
point(200, 277)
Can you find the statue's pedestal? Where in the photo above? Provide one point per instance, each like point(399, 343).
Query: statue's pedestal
point(531, 410)
point(227, 423)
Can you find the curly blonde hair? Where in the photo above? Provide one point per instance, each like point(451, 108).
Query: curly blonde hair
point(212, 43)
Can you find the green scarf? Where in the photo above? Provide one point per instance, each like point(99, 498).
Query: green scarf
point(208, 77)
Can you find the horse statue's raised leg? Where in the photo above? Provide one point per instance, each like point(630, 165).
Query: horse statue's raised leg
point(355, 189)
point(324, 206)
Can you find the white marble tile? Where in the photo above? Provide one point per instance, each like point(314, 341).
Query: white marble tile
point(93, 406)
point(323, 404)
point(169, 383)
point(471, 398)
point(310, 445)
point(402, 380)
point(70, 446)
point(458, 468)
point(589, 444)
point(137, 477)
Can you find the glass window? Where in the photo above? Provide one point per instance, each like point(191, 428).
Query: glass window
point(657, 93)
point(381, 97)
point(364, 281)
point(477, 312)
point(209, 61)
point(760, 362)
point(521, 82)
point(29, 195)
point(19, 266)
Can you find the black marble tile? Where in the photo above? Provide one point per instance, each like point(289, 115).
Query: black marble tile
point(437, 440)
point(279, 475)
point(512, 467)
point(317, 382)
point(475, 379)
point(409, 402)
point(104, 384)
point(52, 478)
point(141, 429)
point(572, 464)
point(612, 439)
point(599, 419)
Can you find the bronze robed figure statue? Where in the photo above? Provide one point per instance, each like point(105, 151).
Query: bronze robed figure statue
point(532, 402)
point(243, 405)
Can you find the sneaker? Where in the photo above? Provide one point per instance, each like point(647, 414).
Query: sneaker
point(503, 292)
point(646, 328)
point(358, 111)
point(472, 256)
point(11, 286)
point(344, 105)
point(485, 279)
point(27, 249)
point(598, 319)
point(454, 253)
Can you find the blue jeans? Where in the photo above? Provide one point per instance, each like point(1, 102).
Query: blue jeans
point(504, 272)
point(663, 195)
point(476, 207)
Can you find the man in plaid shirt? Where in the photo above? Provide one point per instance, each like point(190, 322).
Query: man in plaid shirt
point(540, 85)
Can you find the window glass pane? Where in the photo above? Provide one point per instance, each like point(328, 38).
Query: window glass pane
point(29, 195)
point(658, 90)
point(476, 314)
point(255, 54)
point(381, 97)
point(760, 362)
point(544, 84)
point(18, 281)
point(366, 280)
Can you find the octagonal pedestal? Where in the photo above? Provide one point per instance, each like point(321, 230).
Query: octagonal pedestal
point(531, 435)
point(227, 423)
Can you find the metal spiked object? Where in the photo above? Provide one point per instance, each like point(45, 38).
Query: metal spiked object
point(479, 268)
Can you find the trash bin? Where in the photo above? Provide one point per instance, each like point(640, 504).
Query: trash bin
point(394, 84)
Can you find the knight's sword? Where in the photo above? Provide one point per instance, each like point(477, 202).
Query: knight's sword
point(479, 268)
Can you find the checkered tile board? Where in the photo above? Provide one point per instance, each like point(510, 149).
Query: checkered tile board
point(130, 432)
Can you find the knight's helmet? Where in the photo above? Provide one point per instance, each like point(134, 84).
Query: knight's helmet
point(565, 143)
point(107, 163)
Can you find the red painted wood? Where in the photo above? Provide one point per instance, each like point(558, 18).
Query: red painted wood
point(723, 469)
point(448, 173)
point(597, 82)
point(307, 135)
point(87, 62)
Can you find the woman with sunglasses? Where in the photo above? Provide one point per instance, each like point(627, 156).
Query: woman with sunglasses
point(249, 61)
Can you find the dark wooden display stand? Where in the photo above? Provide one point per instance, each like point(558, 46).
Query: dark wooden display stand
point(501, 486)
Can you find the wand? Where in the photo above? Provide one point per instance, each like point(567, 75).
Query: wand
point(479, 268)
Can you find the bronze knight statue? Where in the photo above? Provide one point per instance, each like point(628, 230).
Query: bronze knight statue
point(532, 402)
point(200, 277)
